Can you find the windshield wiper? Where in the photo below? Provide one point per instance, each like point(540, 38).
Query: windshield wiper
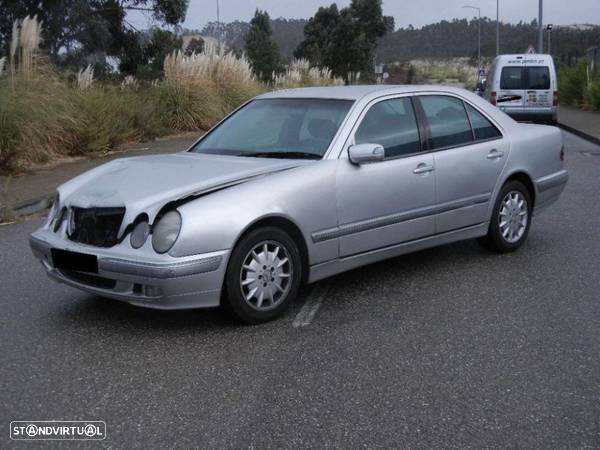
point(283, 155)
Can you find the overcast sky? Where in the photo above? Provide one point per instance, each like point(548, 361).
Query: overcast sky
point(405, 12)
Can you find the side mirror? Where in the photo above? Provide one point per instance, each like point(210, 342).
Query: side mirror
point(366, 153)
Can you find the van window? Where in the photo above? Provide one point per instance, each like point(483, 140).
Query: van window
point(535, 77)
point(512, 78)
point(538, 78)
point(392, 124)
point(483, 128)
point(447, 119)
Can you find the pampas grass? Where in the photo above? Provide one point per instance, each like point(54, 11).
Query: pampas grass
point(85, 78)
point(29, 41)
point(201, 88)
point(43, 116)
point(299, 74)
point(129, 82)
point(14, 44)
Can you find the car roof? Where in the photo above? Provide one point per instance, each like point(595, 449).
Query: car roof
point(525, 57)
point(356, 92)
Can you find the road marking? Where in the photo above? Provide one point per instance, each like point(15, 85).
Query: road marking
point(312, 304)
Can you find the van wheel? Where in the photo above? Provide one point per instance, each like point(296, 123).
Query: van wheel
point(511, 219)
point(263, 276)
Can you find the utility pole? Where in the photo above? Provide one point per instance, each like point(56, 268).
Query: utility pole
point(541, 28)
point(218, 23)
point(497, 27)
point(478, 34)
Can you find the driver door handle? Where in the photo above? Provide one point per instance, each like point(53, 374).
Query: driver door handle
point(423, 168)
point(495, 154)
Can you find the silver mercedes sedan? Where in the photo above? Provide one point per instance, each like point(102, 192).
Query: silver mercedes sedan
point(296, 186)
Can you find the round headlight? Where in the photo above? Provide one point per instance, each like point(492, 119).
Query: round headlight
point(166, 231)
point(139, 234)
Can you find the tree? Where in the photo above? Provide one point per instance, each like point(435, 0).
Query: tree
point(262, 51)
point(89, 25)
point(143, 53)
point(196, 45)
point(345, 40)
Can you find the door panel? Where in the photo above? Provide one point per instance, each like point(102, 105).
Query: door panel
point(467, 171)
point(387, 201)
point(511, 95)
point(466, 178)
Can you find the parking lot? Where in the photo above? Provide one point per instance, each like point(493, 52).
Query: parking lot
point(449, 347)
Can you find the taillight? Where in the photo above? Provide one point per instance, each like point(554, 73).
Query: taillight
point(493, 98)
point(555, 99)
point(562, 153)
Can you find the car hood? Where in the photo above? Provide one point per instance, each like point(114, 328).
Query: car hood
point(145, 184)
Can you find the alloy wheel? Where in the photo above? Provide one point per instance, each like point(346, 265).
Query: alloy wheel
point(266, 275)
point(513, 216)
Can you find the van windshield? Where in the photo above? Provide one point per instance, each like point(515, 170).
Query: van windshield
point(535, 77)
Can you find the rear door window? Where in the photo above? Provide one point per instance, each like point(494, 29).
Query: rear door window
point(512, 78)
point(535, 77)
point(482, 127)
point(538, 77)
point(447, 120)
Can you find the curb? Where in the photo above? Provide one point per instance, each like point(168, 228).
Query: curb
point(581, 134)
point(32, 206)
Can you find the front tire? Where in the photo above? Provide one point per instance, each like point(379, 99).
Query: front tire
point(511, 219)
point(263, 276)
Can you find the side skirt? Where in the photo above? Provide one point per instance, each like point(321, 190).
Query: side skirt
point(335, 266)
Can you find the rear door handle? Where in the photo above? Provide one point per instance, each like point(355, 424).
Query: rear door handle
point(495, 154)
point(423, 168)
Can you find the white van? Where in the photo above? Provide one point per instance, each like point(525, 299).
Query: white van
point(524, 86)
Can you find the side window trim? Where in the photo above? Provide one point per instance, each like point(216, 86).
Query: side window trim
point(422, 124)
point(464, 105)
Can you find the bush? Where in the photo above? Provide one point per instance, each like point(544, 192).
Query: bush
point(572, 82)
point(45, 115)
point(592, 92)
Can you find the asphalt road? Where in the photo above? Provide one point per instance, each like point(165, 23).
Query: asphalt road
point(448, 348)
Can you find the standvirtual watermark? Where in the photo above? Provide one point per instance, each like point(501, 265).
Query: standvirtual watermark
point(58, 430)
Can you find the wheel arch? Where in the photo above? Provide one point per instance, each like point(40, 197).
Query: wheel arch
point(527, 181)
point(288, 226)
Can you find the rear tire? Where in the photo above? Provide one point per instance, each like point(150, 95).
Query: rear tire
point(263, 276)
point(511, 219)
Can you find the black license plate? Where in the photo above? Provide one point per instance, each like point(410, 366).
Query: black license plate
point(63, 259)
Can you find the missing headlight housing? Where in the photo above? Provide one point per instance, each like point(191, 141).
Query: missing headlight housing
point(166, 231)
point(54, 209)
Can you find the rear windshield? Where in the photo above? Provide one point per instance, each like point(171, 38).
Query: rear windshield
point(536, 77)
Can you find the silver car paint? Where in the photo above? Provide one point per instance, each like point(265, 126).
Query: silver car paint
point(348, 215)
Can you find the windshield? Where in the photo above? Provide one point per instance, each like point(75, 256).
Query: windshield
point(280, 128)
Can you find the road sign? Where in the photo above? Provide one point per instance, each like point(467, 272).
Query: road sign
point(530, 50)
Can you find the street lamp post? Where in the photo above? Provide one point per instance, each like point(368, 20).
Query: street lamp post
point(218, 22)
point(497, 27)
point(478, 34)
point(541, 28)
point(549, 29)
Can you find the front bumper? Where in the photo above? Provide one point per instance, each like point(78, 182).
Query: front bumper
point(171, 283)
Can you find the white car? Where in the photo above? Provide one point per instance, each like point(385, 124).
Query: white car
point(524, 86)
